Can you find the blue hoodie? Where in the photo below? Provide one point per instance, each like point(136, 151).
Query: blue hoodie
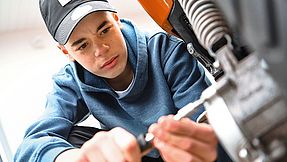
point(166, 77)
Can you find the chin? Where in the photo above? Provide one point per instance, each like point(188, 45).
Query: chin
point(116, 72)
point(113, 75)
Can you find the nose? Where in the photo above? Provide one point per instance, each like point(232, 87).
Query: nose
point(100, 49)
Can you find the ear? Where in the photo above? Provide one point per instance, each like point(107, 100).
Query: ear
point(116, 17)
point(65, 51)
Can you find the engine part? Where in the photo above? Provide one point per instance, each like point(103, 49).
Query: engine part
point(249, 98)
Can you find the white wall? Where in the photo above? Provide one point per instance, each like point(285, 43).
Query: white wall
point(29, 57)
point(26, 65)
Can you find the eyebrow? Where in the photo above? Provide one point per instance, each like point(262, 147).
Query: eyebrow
point(78, 42)
point(82, 39)
point(102, 25)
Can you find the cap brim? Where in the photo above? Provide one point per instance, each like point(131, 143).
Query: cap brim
point(76, 15)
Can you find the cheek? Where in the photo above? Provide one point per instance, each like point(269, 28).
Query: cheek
point(121, 45)
point(92, 63)
point(89, 63)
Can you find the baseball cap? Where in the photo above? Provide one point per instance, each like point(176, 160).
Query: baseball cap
point(62, 16)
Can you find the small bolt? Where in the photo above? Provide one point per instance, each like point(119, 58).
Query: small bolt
point(216, 64)
point(256, 142)
point(190, 48)
point(243, 153)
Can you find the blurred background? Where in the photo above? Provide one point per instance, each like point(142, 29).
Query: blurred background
point(28, 59)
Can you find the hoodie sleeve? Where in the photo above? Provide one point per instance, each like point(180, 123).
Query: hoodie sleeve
point(185, 76)
point(46, 138)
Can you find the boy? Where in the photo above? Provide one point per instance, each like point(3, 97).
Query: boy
point(127, 80)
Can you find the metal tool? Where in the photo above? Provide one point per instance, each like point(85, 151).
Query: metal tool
point(145, 140)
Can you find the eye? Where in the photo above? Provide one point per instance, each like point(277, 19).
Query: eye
point(83, 46)
point(106, 30)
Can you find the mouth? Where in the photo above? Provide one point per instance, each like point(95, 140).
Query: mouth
point(110, 63)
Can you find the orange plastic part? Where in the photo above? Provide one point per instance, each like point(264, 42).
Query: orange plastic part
point(159, 10)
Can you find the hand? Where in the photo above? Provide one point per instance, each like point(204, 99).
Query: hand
point(184, 140)
point(116, 145)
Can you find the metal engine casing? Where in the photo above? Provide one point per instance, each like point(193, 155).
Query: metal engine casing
point(254, 93)
point(250, 98)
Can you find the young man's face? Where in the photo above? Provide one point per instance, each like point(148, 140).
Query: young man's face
point(98, 45)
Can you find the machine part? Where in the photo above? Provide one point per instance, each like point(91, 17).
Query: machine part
point(224, 125)
point(249, 96)
point(216, 72)
point(145, 142)
point(227, 59)
point(253, 98)
point(207, 21)
point(210, 27)
point(159, 11)
point(183, 28)
point(261, 24)
point(254, 105)
point(202, 118)
point(170, 17)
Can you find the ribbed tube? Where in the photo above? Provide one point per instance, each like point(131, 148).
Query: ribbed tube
point(206, 20)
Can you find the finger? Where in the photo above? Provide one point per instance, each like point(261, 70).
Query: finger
point(93, 155)
point(173, 154)
point(203, 150)
point(104, 143)
point(112, 152)
point(91, 152)
point(128, 144)
point(187, 127)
